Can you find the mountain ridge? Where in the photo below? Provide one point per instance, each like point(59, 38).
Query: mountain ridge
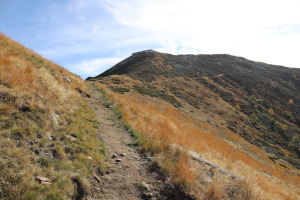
point(218, 125)
point(116, 69)
point(253, 87)
point(234, 113)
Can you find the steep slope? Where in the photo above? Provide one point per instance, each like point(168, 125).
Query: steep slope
point(48, 142)
point(238, 114)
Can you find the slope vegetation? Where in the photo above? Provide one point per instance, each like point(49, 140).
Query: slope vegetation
point(48, 142)
point(222, 126)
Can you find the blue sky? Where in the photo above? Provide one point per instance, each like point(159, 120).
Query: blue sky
point(90, 36)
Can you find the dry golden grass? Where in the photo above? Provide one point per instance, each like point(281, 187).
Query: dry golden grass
point(160, 125)
point(31, 90)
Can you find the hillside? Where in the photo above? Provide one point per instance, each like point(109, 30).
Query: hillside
point(224, 112)
point(48, 139)
point(172, 127)
point(60, 138)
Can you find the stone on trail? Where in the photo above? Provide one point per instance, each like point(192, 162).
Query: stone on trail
point(123, 154)
point(114, 156)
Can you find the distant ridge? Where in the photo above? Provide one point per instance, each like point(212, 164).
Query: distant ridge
point(209, 63)
point(236, 80)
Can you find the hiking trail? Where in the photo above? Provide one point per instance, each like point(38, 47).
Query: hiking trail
point(130, 174)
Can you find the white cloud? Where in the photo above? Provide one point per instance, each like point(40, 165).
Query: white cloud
point(259, 30)
point(91, 35)
point(94, 67)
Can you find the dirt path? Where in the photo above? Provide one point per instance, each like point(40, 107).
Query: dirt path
point(130, 174)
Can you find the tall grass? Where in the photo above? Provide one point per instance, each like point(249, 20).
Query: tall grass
point(160, 125)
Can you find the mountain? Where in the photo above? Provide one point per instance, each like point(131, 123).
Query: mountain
point(172, 127)
point(60, 137)
point(253, 87)
point(239, 115)
point(47, 128)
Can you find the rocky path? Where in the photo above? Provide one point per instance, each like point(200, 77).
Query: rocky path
point(130, 175)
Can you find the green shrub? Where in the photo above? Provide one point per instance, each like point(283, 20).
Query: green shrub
point(254, 117)
point(271, 111)
point(296, 140)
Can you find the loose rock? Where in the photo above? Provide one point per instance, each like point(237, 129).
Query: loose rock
point(48, 136)
point(47, 155)
point(145, 186)
point(135, 157)
point(97, 178)
point(55, 118)
point(123, 154)
point(66, 78)
point(89, 157)
point(70, 137)
point(43, 180)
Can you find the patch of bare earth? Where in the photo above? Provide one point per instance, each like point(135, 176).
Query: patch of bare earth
point(130, 174)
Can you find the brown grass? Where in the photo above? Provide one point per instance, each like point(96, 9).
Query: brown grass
point(31, 89)
point(160, 125)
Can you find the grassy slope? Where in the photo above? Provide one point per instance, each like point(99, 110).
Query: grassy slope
point(46, 127)
point(205, 131)
point(266, 96)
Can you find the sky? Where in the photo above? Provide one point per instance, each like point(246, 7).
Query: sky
point(88, 37)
